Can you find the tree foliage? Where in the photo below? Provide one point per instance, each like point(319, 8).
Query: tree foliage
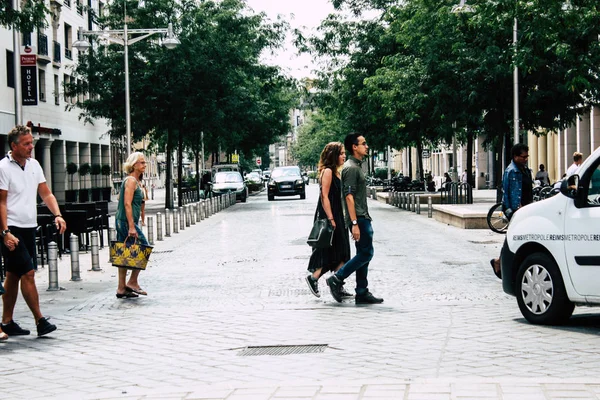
point(32, 14)
point(213, 82)
point(407, 75)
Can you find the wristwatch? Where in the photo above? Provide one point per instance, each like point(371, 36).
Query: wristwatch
point(354, 222)
point(5, 232)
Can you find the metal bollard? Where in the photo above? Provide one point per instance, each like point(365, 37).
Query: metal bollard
point(150, 230)
point(201, 209)
point(167, 222)
point(159, 223)
point(209, 211)
point(402, 199)
point(412, 202)
point(192, 213)
point(175, 220)
point(74, 246)
point(429, 207)
point(112, 236)
point(187, 216)
point(95, 252)
point(52, 266)
point(181, 212)
point(418, 204)
point(197, 209)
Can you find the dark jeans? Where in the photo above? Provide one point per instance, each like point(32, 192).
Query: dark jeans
point(360, 262)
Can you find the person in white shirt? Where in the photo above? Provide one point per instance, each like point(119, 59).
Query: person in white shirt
point(21, 181)
point(577, 160)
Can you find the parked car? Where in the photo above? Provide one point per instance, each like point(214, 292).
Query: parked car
point(286, 181)
point(254, 181)
point(230, 181)
point(550, 258)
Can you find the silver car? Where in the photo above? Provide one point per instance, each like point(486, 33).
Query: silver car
point(230, 181)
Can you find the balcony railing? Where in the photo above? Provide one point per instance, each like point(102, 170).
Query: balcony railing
point(42, 44)
point(56, 52)
point(67, 3)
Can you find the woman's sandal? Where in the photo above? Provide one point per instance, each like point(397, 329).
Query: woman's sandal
point(497, 273)
point(126, 295)
point(138, 291)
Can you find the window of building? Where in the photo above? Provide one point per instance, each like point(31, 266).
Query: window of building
point(10, 69)
point(56, 90)
point(42, 84)
point(68, 42)
point(26, 39)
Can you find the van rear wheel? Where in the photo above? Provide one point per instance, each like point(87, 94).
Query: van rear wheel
point(541, 293)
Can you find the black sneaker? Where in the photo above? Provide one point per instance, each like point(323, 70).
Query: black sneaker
point(335, 286)
point(13, 329)
point(367, 298)
point(44, 327)
point(313, 285)
point(345, 294)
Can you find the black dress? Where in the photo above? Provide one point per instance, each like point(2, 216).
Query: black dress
point(330, 258)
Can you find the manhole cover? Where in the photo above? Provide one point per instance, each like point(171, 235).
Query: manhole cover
point(282, 350)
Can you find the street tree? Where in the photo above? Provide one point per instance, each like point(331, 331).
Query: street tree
point(213, 82)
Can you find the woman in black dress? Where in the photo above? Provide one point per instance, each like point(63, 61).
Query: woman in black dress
point(330, 207)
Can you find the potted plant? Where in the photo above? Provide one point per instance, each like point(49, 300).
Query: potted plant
point(71, 194)
point(84, 193)
point(95, 171)
point(107, 188)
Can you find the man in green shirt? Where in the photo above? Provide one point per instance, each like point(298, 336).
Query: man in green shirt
point(354, 193)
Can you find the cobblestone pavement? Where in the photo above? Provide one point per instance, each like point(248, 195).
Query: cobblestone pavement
point(445, 331)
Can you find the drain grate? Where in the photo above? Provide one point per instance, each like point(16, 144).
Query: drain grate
point(282, 350)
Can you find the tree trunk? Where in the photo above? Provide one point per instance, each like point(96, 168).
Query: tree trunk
point(198, 172)
point(470, 179)
point(419, 160)
point(179, 167)
point(169, 174)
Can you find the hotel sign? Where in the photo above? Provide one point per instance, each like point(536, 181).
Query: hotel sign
point(28, 76)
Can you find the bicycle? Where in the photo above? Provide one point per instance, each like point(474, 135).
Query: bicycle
point(496, 219)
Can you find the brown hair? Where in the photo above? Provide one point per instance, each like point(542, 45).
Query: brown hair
point(329, 156)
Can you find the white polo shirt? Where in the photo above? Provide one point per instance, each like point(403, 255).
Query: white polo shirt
point(22, 187)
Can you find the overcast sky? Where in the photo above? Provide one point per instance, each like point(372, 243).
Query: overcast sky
point(299, 14)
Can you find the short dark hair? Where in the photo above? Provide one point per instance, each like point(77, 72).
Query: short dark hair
point(518, 149)
point(351, 139)
point(577, 156)
point(16, 132)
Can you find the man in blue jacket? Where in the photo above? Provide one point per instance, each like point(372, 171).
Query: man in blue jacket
point(517, 184)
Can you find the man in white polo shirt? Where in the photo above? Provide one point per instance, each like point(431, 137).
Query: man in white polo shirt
point(21, 180)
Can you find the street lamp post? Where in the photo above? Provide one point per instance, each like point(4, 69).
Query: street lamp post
point(121, 36)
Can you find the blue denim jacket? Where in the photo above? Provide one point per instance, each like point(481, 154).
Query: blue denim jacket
point(512, 184)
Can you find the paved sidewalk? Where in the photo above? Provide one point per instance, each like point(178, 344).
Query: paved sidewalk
point(445, 331)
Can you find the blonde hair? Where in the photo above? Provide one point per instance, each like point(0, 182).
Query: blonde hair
point(131, 161)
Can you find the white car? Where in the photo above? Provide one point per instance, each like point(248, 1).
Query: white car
point(551, 255)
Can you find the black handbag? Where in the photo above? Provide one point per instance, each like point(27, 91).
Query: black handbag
point(321, 235)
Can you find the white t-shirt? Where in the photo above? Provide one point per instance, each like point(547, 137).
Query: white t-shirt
point(22, 187)
point(572, 170)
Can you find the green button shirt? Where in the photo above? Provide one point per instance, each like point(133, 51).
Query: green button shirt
point(354, 182)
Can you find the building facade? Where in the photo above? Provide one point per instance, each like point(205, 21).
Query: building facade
point(34, 95)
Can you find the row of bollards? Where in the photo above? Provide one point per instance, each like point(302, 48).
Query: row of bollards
point(179, 218)
point(410, 202)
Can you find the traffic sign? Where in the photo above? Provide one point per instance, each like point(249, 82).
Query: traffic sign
point(258, 160)
point(235, 158)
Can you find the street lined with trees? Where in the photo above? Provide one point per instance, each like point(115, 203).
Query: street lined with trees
point(421, 72)
point(212, 85)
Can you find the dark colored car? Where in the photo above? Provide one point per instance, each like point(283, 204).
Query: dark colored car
point(286, 181)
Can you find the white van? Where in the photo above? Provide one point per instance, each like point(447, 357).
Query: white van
point(551, 255)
